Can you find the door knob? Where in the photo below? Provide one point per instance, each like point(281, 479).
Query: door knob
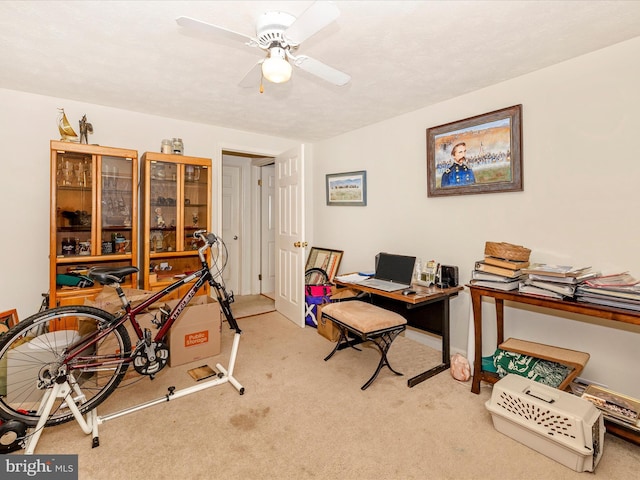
point(300, 244)
point(235, 237)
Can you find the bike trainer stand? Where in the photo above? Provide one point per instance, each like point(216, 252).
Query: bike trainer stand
point(90, 424)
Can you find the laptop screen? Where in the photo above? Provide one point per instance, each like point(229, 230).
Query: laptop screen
point(395, 268)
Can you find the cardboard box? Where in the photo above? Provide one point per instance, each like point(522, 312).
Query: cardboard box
point(338, 294)
point(108, 299)
point(196, 333)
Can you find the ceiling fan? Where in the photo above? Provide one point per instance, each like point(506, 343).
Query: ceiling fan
point(280, 34)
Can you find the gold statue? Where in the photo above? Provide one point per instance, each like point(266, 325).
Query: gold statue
point(67, 134)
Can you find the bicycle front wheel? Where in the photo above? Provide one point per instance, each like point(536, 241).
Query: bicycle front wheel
point(39, 352)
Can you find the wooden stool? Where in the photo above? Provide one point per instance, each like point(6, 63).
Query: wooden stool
point(572, 358)
point(368, 323)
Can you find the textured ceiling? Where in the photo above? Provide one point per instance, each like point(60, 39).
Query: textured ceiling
point(401, 55)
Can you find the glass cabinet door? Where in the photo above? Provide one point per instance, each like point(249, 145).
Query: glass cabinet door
point(195, 203)
point(163, 203)
point(74, 204)
point(116, 206)
point(93, 218)
point(177, 203)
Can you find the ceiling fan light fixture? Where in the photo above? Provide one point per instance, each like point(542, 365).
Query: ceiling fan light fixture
point(276, 68)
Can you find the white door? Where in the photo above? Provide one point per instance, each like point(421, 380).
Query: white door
point(268, 229)
point(231, 226)
point(290, 234)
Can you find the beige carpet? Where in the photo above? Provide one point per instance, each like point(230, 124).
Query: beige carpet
point(271, 295)
point(303, 418)
point(249, 305)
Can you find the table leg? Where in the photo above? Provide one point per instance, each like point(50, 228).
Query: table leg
point(476, 301)
point(500, 320)
point(446, 357)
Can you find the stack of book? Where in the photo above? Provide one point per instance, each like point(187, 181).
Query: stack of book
point(499, 273)
point(554, 281)
point(619, 290)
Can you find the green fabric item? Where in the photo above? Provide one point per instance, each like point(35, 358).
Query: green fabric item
point(488, 365)
point(541, 371)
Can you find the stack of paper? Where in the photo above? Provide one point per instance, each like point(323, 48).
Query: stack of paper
point(620, 290)
point(351, 278)
point(554, 281)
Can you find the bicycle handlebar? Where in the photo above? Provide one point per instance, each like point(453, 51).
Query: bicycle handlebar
point(207, 237)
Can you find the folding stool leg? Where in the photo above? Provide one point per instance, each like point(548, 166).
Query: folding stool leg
point(344, 335)
point(383, 342)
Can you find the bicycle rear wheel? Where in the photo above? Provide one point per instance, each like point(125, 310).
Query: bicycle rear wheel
point(34, 355)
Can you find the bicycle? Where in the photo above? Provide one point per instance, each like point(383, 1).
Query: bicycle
point(63, 362)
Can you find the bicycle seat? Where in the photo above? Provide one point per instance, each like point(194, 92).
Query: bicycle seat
point(106, 275)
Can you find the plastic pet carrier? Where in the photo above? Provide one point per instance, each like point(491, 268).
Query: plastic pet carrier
point(566, 428)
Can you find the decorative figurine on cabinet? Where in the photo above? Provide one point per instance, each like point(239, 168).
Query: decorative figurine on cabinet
point(159, 218)
point(85, 129)
point(67, 134)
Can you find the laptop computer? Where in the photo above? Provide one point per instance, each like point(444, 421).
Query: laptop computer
point(393, 272)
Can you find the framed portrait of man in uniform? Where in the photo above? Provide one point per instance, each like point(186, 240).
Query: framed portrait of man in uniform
point(481, 154)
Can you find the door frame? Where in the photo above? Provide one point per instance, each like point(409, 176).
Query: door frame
point(261, 238)
point(237, 283)
point(259, 156)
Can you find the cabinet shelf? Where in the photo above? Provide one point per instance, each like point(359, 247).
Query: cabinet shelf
point(114, 228)
point(74, 229)
point(186, 253)
point(93, 258)
point(74, 188)
point(163, 229)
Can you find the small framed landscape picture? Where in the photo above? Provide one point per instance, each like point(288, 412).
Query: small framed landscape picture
point(481, 154)
point(347, 188)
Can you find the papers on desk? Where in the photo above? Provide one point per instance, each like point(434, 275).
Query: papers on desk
point(351, 278)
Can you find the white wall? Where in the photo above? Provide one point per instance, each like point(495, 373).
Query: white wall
point(580, 203)
point(28, 123)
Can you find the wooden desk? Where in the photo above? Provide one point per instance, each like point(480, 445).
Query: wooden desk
point(427, 309)
point(609, 313)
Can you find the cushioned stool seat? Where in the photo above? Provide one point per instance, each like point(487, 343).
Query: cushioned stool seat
point(368, 323)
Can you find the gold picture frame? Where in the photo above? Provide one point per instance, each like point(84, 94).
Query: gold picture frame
point(325, 259)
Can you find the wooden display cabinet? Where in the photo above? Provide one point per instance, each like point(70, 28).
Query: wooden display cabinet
point(176, 203)
point(94, 216)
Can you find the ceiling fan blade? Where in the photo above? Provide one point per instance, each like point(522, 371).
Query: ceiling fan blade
point(252, 78)
point(311, 21)
point(215, 30)
point(321, 70)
